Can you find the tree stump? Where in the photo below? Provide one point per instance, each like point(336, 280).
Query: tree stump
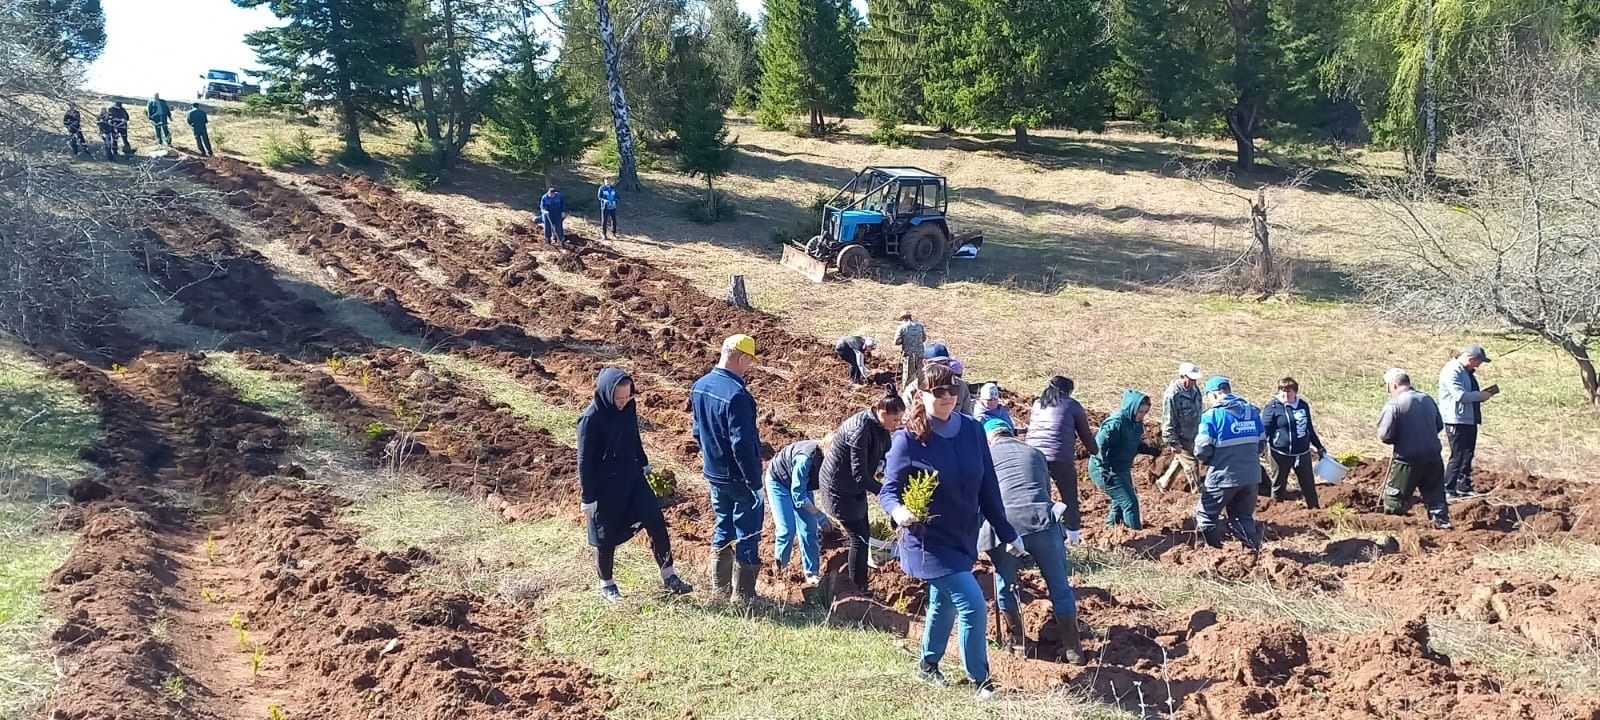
point(736, 293)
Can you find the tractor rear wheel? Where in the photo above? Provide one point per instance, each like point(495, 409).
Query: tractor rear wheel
point(923, 247)
point(853, 261)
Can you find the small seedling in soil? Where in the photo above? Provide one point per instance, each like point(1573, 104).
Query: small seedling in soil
point(335, 363)
point(244, 639)
point(257, 657)
point(211, 550)
point(275, 712)
point(366, 377)
point(918, 494)
point(118, 368)
point(663, 482)
point(376, 430)
point(173, 685)
point(1348, 459)
point(903, 605)
point(212, 595)
point(236, 621)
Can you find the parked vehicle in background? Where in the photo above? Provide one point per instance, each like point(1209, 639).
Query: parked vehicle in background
point(225, 85)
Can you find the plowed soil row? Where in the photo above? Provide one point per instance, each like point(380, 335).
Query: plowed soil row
point(195, 559)
point(561, 372)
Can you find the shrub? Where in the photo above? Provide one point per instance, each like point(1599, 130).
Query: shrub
point(377, 430)
point(1348, 459)
point(417, 170)
point(282, 155)
point(892, 137)
point(219, 139)
point(722, 209)
point(605, 155)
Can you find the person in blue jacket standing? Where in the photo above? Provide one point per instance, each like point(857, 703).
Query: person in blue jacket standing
point(791, 481)
point(552, 212)
point(1229, 445)
point(940, 545)
point(608, 208)
point(617, 500)
point(730, 452)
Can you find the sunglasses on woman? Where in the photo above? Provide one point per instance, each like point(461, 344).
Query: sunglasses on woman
point(942, 392)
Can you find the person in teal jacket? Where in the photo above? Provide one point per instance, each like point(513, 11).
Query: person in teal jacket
point(1120, 440)
point(160, 114)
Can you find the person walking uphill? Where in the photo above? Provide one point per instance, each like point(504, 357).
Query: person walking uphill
point(850, 471)
point(607, 196)
point(1120, 440)
point(1056, 424)
point(1181, 407)
point(1461, 404)
point(853, 350)
point(1230, 443)
point(1024, 477)
point(909, 337)
point(939, 534)
point(197, 120)
point(791, 481)
point(160, 114)
point(730, 450)
point(1411, 423)
point(1291, 437)
point(617, 500)
point(553, 213)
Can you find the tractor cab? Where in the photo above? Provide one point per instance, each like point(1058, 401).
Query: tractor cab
point(883, 212)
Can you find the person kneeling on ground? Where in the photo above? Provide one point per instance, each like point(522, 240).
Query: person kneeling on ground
point(1120, 439)
point(617, 500)
point(791, 479)
point(939, 534)
point(1229, 445)
point(1292, 437)
point(1024, 477)
point(850, 471)
point(1411, 423)
point(853, 350)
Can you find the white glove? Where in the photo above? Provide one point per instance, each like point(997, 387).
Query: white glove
point(1058, 510)
point(1016, 549)
point(1074, 537)
point(589, 509)
point(902, 517)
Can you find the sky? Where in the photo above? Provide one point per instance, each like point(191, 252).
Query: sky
point(165, 51)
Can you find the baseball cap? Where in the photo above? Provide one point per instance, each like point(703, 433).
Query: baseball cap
point(742, 343)
point(993, 424)
point(990, 391)
point(1189, 370)
point(1216, 383)
point(956, 366)
point(1477, 352)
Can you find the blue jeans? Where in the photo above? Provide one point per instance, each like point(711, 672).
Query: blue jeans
point(553, 227)
point(738, 511)
point(957, 597)
point(787, 519)
point(1049, 550)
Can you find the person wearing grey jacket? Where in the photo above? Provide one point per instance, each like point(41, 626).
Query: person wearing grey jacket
point(1056, 424)
point(1411, 423)
point(1181, 408)
point(1024, 480)
point(1229, 444)
point(1461, 405)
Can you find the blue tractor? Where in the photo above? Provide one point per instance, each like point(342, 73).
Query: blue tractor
point(883, 212)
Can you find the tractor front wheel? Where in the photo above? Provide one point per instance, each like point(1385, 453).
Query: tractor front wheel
point(923, 247)
point(853, 261)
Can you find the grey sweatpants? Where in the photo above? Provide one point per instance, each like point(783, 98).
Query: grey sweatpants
point(1240, 502)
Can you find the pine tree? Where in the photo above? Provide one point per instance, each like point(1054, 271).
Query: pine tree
point(703, 146)
point(889, 61)
point(64, 30)
point(351, 55)
point(535, 120)
point(642, 31)
point(841, 56)
point(804, 66)
point(731, 45)
point(1167, 64)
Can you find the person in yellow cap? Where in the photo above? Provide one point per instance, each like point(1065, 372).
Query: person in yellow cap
point(730, 451)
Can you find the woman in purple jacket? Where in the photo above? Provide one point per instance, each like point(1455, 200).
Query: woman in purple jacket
point(1056, 424)
point(941, 547)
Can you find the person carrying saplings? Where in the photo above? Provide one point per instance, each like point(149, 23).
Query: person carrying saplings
point(939, 486)
point(1120, 440)
point(1024, 477)
point(1292, 437)
point(791, 481)
point(1230, 443)
point(850, 471)
point(617, 499)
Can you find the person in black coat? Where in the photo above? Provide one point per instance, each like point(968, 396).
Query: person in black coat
point(853, 350)
point(850, 471)
point(617, 501)
point(1291, 437)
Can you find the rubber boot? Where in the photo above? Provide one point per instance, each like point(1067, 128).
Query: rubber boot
point(1016, 639)
point(722, 572)
point(1070, 647)
point(1213, 536)
point(744, 584)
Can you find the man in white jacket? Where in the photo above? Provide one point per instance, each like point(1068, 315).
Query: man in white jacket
point(1461, 404)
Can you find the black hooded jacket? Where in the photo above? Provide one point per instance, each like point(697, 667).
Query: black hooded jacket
point(850, 466)
point(611, 464)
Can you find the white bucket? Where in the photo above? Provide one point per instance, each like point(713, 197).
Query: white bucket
point(1330, 471)
point(879, 552)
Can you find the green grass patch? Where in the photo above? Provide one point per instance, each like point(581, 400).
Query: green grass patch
point(281, 398)
point(504, 387)
point(43, 424)
point(1511, 654)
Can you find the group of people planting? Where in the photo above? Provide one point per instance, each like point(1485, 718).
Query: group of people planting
point(954, 478)
point(112, 124)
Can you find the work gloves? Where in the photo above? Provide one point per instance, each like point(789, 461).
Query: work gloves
point(1074, 537)
point(902, 517)
point(1015, 549)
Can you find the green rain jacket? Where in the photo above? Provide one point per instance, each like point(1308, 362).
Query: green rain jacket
point(1121, 438)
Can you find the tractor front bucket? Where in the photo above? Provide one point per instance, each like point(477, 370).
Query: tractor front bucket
point(795, 258)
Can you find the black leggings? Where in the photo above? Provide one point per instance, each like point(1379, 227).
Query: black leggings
point(1065, 474)
point(1300, 466)
point(660, 546)
point(857, 531)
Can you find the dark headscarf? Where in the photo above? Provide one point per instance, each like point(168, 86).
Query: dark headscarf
point(605, 392)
